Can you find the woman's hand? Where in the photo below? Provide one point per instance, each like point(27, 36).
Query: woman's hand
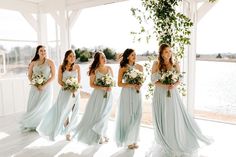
point(131, 86)
point(171, 86)
point(73, 91)
point(166, 86)
point(41, 87)
point(106, 88)
point(138, 86)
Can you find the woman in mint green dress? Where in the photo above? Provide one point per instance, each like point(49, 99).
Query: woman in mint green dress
point(130, 104)
point(93, 125)
point(40, 96)
point(63, 116)
point(175, 129)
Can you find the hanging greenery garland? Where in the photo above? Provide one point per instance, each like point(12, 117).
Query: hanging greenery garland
point(160, 19)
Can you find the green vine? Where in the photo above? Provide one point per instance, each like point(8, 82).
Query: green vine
point(160, 19)
point(212, 1)
point(169, 26)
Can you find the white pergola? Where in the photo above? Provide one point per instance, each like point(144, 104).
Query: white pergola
point(66, 12)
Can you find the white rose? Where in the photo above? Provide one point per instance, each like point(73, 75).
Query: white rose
point(68, 81)
point(73, 80)
point(108, 81)
point(40, 81)
point(134, 74)
point(33, 81)
point(162, 77)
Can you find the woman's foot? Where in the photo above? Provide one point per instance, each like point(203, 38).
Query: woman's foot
point(106, 139)
point(131, 146)
point(135, 146)
point(103, 140)
point(68, 137)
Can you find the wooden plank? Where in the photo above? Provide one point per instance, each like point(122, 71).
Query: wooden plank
point(8, 97)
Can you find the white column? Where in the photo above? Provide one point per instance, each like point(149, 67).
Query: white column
point(42, 28)
point(61, 18)
point(192, 59)
point(64, 31)
point(65, 23)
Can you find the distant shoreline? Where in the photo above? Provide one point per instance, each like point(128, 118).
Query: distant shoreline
point(216, 59)
point(145, 58)
point(139, 58)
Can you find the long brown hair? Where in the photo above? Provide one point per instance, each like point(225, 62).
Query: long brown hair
point(161, 59)
point(65, 61)
point(95, 63)
point(125, 56)
point(36, 56)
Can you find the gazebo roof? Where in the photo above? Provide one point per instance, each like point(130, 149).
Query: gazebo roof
point(33, 6)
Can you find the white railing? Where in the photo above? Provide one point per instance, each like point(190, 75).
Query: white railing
point(14, 94)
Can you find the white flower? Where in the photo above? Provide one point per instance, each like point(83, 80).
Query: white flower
point(175, 77)
point(68, 81)
point(134, 74)
point(163, 77)
point(108, 81)
point(33, 81)
point(40, 81)
point(73, 80)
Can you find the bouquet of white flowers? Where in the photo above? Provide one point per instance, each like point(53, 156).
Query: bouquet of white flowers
point(105, 81)
point(170, 77)
point(38, 79)
point(134, 76)
point(72, 84)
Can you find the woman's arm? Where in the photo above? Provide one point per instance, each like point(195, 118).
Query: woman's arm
point(178, 70)
point(60, 76)
point(139, 67)
point(77, 67)
point(155, 76)
point(155, 67)
point(110, 69)
point(30, 71)
point(52, 77)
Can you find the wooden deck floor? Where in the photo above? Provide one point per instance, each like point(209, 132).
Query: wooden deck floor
point(13, 143)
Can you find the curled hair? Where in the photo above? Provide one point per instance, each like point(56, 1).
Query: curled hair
point(95, 63)
point(65, 61)
point(36, 56)
point(161, 59)
point(125, 56)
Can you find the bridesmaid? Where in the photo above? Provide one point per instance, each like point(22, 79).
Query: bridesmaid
point(130, 105)
point(57, 121)
point(175, 130)
point(40, 97)
point(93, 125)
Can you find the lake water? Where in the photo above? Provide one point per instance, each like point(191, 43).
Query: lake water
point(216, 86)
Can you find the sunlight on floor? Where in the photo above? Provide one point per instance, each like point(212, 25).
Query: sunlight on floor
point(13, 143)
point(3, 135)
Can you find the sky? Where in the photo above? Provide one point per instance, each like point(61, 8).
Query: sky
point(110, 25)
